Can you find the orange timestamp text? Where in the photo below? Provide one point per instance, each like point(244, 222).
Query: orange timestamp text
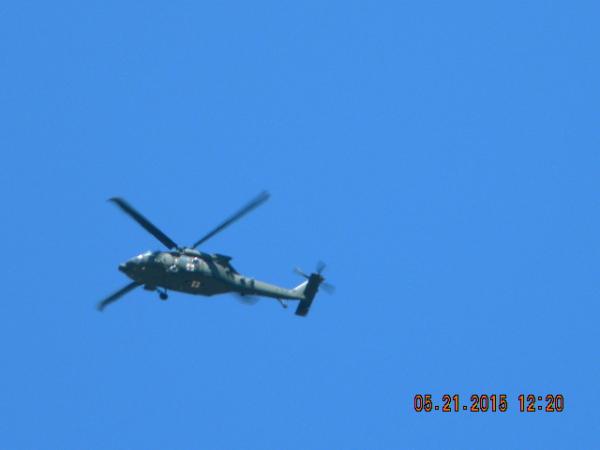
point(481, 403)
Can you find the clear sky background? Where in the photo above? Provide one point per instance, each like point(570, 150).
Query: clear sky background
point(441, 157)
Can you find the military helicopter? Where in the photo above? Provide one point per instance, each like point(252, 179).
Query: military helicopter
point(188, 270)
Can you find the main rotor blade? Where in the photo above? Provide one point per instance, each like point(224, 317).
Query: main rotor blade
point(259, 200)
point(117, 295)
point(149, 226)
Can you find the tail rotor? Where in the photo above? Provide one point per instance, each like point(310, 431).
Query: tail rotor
point(315, 280)
point(320, 267)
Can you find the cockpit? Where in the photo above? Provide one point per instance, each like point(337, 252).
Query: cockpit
point(143, 257)
point(133, 265)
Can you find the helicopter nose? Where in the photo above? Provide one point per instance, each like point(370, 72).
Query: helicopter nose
point(123, 267)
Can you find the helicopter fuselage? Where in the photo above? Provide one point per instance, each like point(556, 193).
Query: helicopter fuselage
point(199, 273)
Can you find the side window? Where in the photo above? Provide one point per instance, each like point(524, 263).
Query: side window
point(166, 259)
point(187, 263)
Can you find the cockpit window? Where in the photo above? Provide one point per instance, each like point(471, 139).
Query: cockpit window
point(166, 259)
point(143, 256)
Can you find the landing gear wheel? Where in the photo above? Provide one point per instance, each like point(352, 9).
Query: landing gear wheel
point(163, 296)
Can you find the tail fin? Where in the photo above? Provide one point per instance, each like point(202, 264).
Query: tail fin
point(300, 288)
point(309, 290)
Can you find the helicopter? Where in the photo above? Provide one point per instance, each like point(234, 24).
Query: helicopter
point(188, 270)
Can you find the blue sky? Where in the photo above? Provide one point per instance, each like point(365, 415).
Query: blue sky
point(442, 158)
